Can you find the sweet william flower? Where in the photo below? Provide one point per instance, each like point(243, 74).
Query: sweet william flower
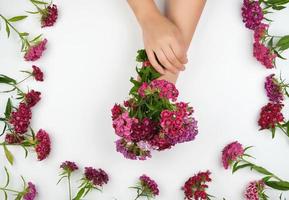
point(20, 119)
point(32, 98)
point(11, 138)
point(195, 187)
point(49, 16)
point(116, 111)
point(231, 153)
point(37, 73)
point(254, 190)
point(273, 89)
point(35, 51)
point(264, 55)
point(30, 192)
point(97, 176)
point(270, 116)
point(43, 144)
point(252, 14)
point(69, 166)
point(146, 187)
point(260, 32)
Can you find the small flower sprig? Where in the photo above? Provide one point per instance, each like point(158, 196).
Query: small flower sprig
point(235, 156)
point(28, 192)
point(271, 117)
point(47, 11)
point(195, 187)
point(17, 129)
point(68, 168)
point(146, 187)
point(32, 48)
point(266, 47)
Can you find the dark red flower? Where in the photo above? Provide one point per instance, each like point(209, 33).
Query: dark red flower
point(69, 166)
point(43, 144)
point(195, 187)
point(271, 115)
point(148, 183)
point(20, 119)
point(116, 111)
point(50, 16)
point(97, 177)
point(32, 98)
point(13, 138)
point(34, 52)
point(37, 73)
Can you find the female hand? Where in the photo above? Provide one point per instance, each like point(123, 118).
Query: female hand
point(164, 44)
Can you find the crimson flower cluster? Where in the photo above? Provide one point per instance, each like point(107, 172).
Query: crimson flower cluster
point(195, 187)
point(49, 16)
point(266, 47)
point(151, 119)
point(17, 120)
point(232, 152)
point(255, 190)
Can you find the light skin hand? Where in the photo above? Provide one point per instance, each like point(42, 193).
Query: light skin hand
point(163, 41)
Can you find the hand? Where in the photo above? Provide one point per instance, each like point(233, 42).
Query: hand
point(164, 44)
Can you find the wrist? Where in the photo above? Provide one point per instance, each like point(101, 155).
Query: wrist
point(144, 10)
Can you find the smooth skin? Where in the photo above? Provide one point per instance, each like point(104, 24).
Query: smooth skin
point(168, 37)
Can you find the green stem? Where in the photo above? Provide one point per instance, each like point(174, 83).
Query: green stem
point(69, 186)
point(38, 8)
point(253, 165)
point(282, 129)
point(138, 194)
point(23, 79)
point(9, 190)
point(19, 34)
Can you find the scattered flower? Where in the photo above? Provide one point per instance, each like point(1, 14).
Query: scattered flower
point(264, 55)
point(195, 187)
point(20, 119)
point(43, 145)
point(231, 153)
point(270, 116)
point(37, 73)
point(273, 89)
point(34, 52)
point(30, 192)
point(49, 16)
point(255, 190)
point(32, 98)
point(69, 166)
point(11, 138)
point(252, 14)
point(146, 187)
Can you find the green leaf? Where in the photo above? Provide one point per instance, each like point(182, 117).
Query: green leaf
point(4, 129)
point(36, 38)
point(79, 194)
point(7, 29)
point(261, 170)
point(6, 80)
point(8, 108)
point(39, 2)
point(278, 185)
point(141, 56)
point(283, 43)
point(24, 34)
point(267, 178)
point(8, 155)
point(241, 167)
point(278, 7)
point(277, 2)
point(7, 177)
point(17, 18)
point(31, 12)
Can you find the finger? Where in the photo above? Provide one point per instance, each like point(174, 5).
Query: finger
point(172, 58)
point(165, 62)
point(154, 62)
point(180, 52)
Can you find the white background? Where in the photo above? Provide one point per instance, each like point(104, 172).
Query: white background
point(87, 65)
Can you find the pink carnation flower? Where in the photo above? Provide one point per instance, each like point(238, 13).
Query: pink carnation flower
point(30, 192)
point(35, 52)
point(20, 119)
point(264, 55)
point(231, 153)
point(32, 98)
point(37, 73)
point(123, 124)
point(50, 16)
point(254, 189)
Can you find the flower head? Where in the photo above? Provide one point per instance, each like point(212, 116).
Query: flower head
point(270, 116)
point(32, 98)
point(123, 124)
point(273, 89)
point(260, 31)
point(132, 150)
point(195, 187)
point(30, 192)
point(43, 145)
point(37, 73)
point(254, 190)
point(49, 16)
point(264, 55)
point(69, 166)
point(166, 89)
point(35, 52)
point(97, 177)
point(231, 153)
point(13, 138)
point(252, 14)
point(149, 185)
point(116, 111)
point(20, 119)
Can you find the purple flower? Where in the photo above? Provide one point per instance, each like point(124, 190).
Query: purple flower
point(252, 14)
point(131, 150)
point(273, 89)
point(30, 192)
point(69, 166)
point(147, 183)
point(97, 177)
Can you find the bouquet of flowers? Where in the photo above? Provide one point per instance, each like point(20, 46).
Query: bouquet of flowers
point(151, 119)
